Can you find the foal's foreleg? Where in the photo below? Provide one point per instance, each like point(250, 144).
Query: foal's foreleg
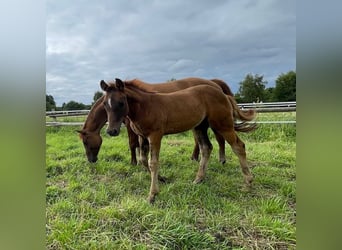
point(144, 149)
point(155, 142)
point(206, 148)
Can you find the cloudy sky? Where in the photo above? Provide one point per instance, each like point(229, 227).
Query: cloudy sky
point(156, 40)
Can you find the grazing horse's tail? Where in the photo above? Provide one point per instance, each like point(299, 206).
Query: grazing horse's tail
point(225, 88)
point(245, 116)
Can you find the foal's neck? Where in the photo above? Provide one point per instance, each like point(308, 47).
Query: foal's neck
point(138, 101)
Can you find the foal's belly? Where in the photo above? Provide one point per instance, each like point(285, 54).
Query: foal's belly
point(173, 126)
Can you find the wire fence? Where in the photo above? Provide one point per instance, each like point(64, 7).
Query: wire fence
point(267, 107)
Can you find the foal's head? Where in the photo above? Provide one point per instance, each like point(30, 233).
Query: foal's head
point(115, 104)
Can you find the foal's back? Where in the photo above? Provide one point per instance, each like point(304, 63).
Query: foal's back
point(185, 109)
point(200, 97)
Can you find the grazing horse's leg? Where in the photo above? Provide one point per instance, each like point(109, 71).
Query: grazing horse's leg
point(205, 146)
point(195, 152)
point(144, 148)
point(238, 148)
point(133, 142)
point(155, 142)
point(221, 142)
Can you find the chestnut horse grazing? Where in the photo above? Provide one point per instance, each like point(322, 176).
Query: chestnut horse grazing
point(90, 133)
point(97, 117)
point(154, 115)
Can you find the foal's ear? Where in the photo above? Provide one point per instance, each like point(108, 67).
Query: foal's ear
point(119, 84)
point(104, 85)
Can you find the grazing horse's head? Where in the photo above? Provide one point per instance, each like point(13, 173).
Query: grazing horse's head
point(116, 106)
point(92, 143)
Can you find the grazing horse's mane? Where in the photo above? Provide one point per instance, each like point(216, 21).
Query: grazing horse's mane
point(140, 85)
point(93, 114)
point(134, 84)
point(97, 103)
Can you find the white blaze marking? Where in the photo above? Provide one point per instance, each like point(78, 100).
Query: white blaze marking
point(109, 103)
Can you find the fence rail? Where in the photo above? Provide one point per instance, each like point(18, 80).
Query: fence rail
point(65, 113)
point(267, 107)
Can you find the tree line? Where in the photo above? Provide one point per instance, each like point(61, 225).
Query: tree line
point(71, 105)
point(251, 89)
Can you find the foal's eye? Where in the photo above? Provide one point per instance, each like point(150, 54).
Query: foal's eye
point(120, 104)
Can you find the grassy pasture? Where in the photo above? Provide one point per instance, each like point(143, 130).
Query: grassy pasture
point(103, 205)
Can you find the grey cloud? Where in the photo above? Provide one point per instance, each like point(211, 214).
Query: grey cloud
point(159, 40)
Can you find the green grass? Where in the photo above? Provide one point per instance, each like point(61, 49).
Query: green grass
point(104, 206)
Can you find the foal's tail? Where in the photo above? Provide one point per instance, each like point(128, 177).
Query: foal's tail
point(245, 116)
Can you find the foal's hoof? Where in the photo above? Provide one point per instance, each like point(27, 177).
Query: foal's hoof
point(249, 180)
point(151, 199)
point(197, 180)
point(222, 161)
point(246, 189)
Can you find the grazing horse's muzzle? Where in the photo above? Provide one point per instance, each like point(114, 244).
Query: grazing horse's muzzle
point(113, 132)
point(92, 159)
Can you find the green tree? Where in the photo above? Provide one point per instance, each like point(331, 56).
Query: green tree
point(72, 105)
point(269, 95)
point(238, 98)
point(50, 103)
point(97, 95)
point(252, 88)
point(285, 88)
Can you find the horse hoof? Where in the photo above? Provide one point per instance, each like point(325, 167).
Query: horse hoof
point(151, 199)
point(162, 179)
point(193, 158)
point(246, 189)
point(197, 180)
point(223, 161)
point(249, 180)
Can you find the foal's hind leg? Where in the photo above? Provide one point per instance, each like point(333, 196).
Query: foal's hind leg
point(206, 147)
point(238, 148)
